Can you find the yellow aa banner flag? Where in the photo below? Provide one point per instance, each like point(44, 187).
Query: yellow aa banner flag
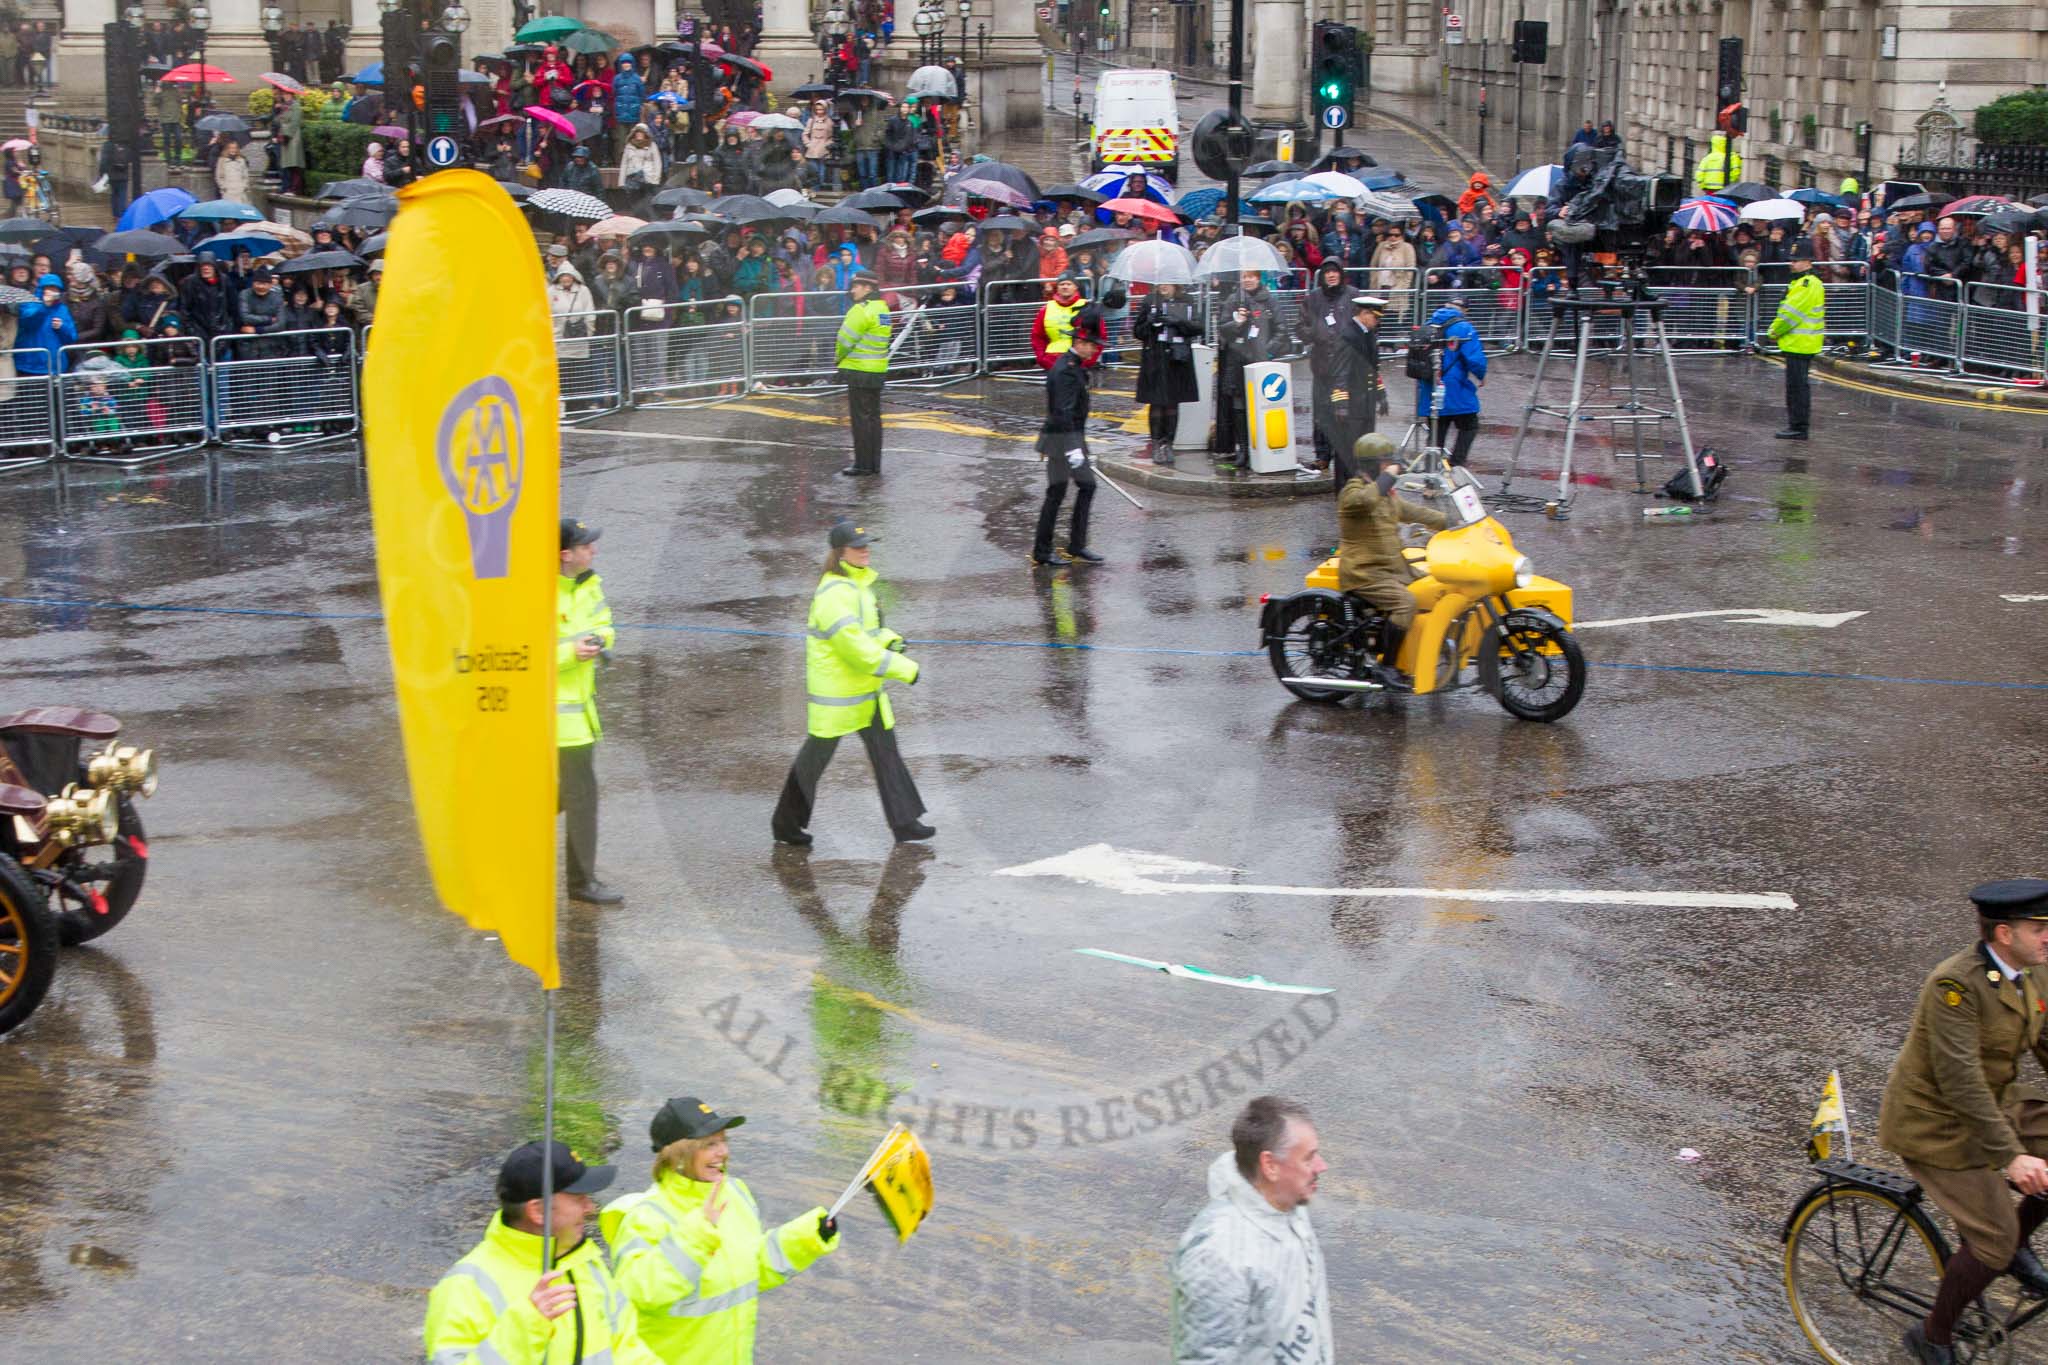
point(459, 412)
point(1828, 1120)
point(902, 1182)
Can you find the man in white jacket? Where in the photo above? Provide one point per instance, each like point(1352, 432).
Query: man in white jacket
point(1248, 1282)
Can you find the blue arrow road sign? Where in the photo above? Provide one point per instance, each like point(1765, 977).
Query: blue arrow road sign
point(1335, 116)
point(441, 151)
point(1273, 387)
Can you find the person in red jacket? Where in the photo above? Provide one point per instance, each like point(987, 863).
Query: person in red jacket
point(552, 75)
point(1478, 193)
point(1053, 331)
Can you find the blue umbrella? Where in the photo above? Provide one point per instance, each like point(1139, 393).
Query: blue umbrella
point(1833, 201)
point(373, 74)
point(1146, 184)
point(156, 207)
point(226, 245)
point(1197, 204)
point(1381, 180)
point(1294, 192)
point(220, 211)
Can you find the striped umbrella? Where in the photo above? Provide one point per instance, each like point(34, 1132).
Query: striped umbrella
point(1392, 207)
point(1705, 215)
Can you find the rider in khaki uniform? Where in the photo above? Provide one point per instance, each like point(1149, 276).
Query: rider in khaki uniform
point(1370, 564)
point(1955, 1111)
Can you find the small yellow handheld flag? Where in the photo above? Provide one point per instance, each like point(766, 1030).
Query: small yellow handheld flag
point(459, 408)
point(1828, 1120)
point(899, 1171)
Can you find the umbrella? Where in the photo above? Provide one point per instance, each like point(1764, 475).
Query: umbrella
point(1812, 197)
point(667, 231)
point(137, 242)
point(861, 92)
point(552, 120)
point(365, 109)
point(777, 123)
point(192, 73)
point(359, 213)
point(15, 144)
point(1534, 184)
point(873, 201)
point(1137, 208)
point(619, 225)
point(390, 130)
point(1261, 170)
point(2008, 220)
point(998, 173)
point(1135, 182)
point(1292, 192)
point(813, 91)
point(787, 197)
point(283, 232)
point(352, 189)
point(1080, 194)
point(10, 297)
point(670, 98)
point(1773, 209)
point(1392, 207)
point(585, 125)
point(2039, 201)
point(321, 260)
point(220, 211)
point(1346, 187)
point(992, 189)
point(499, 121)
point(752, 208)
point(581, 86)
point(1009, 222)
point(474, 78)
point(939, 213)
point(373, 74)
point(1154, 263)
point(911, 195)
point(1980, 204)
point(1930, 199)
point(1746, 192)
point(519, 193)
point(154, 207)
point(931, 83)
point(375, 246)
point(1328, 160)
point(843, 215)
point(1704, 215)
point(234, 125)
point(283, 82)
point(1198, 203)
point(741, 118)
point(570, 204)
point(681, 196)
point(589, 42)
point(1382, 180)
point(1234, 254)
point(548, 29)
point(227, 244)
point(748, 66)
point(1100, 237)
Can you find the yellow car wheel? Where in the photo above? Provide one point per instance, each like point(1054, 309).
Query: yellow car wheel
point(28, 945)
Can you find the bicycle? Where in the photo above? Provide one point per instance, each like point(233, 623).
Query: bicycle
point(1863, 1258)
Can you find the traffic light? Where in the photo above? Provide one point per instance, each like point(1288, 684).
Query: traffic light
point(442, 63)
point(124, 86)
point(1335, 70)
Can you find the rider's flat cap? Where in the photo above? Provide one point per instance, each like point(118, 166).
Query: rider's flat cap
point(2013, 898)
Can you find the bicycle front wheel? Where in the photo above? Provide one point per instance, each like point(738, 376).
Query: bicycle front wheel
point(1860, 1267)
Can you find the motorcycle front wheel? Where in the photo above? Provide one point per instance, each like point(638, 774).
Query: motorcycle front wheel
point(28, 944)
point(1532, 665)
point(1305, 640)
point(117, 870)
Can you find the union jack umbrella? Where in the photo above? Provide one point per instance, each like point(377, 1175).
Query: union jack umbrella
point(1705, 215)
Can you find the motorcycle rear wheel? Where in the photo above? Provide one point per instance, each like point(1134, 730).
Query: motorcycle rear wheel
point(77, 921)
point(28, 945)
point(1532, 665)
point(1303, 643)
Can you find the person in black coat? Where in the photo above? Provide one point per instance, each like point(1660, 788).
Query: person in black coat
point(1244, 337)
point(1166, 326)
point(205, 304)
point(1359, 396)
point(1063, 442)
point(1325, 313)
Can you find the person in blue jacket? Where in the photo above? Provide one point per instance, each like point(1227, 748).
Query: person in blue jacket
point(1464, 370)
point(629, 97)
point(45, 328)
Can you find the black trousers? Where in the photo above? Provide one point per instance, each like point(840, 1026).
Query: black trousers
point(864, 407)
point(1798, 392)
point(1467, 424)
point(901, 805)
point(577, 798)
point(1058, 472)
point(1164, 421)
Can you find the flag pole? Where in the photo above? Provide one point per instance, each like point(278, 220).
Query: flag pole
point(867, 1168)
point(547, 1140)
point(1848, 1142)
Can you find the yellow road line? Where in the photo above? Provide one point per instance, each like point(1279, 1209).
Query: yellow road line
point(1909, 394)
point(904, 421)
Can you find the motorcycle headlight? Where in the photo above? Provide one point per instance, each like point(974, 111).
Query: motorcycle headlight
point(123, 768)
point(82, 816)
point(1525, 572)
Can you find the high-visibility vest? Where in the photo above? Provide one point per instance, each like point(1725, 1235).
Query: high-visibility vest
point(847, 656)
point(1712, 172)
point(1801, 324)
point(1059, 324)
point(580, 610)
point(694, 1285)
point(481, 1312)
point(864, 338)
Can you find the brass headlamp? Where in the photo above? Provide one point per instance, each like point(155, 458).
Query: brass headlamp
point(123, 768)
point(82, 815)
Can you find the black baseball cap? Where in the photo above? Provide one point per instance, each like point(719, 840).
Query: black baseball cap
point(1802, 250)
point(846, 536)
point(2013, 898)
point(575, 533)
point(688, 1117)
point(519, 1177)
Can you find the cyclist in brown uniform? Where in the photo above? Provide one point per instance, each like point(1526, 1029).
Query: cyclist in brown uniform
point(1955, 1111)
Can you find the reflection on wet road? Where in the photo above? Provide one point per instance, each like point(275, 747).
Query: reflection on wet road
point(262, 1117)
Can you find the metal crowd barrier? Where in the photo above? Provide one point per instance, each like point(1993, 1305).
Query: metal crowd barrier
point(1705, 306)
point(1009, 308)
point(28, 421)
point(1491, 306)
point(792, 339)
point(285, 388)
point(685, 354)
point(132, 403)
point(933, 331)
point(1930, 319)
point(1845, 286)
point(2005, 328)
point(590, 365)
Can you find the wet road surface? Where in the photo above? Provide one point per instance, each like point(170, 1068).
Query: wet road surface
point(259, 1120)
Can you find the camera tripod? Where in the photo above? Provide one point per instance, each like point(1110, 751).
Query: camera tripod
point(1430, 458)
point(1633, 305)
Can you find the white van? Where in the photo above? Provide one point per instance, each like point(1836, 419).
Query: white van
point(1137, 122)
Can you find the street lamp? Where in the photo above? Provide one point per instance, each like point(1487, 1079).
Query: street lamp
point(455, 19)
point(930, 25)
point(133, 14)
point(966, 13)
point(201, 19)
point(831, 30)
point(273, 28)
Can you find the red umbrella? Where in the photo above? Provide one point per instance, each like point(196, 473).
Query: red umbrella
point(1982, 203)
point(192, 73)
point(283, 82)
point(582, 86)
point(1139, 208)
point(552, 120)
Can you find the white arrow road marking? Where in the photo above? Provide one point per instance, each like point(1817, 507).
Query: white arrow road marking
point(1135, 873)
point(2025, 596)
point(1739, 616)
